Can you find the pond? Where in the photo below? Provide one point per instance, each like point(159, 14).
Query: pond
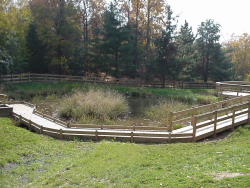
point(138, 105)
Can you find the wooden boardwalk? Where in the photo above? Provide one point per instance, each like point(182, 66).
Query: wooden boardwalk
point(47, 125)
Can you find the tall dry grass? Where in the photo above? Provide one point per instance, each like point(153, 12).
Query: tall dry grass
point(93, 104)
point(161, 111)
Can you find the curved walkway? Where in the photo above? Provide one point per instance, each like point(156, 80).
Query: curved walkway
point(202, 126)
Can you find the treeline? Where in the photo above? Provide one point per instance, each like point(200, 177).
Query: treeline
point(134, 38)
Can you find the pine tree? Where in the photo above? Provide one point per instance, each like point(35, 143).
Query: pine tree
point(166, 63)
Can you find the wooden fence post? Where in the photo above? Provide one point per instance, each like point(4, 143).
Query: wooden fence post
point(171, 114)
point(58, 79)
point(20, 78)
point(11, 78)
point(215, 122)
point(20, 118)
point(45, 78)
point(41, 130)
point(233, 118)
point(32, 79)
point(237, 90)
point(29, 78)
point(29, 125)
point(132, 137)
point(61, 136)
point(194, 128)
point(96, 135)
point(169, 137)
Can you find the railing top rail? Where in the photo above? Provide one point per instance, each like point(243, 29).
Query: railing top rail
point(209, 105)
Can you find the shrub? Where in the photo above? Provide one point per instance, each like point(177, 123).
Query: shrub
point(94, 104)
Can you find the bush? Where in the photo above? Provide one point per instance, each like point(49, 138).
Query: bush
point(93, 104)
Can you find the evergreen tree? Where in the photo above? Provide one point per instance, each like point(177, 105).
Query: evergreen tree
point(186, 52)
point(166, 63)
point(37, 59)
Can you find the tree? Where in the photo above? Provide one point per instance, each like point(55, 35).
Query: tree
point(15, 17)
point(208, 36)
point(57, 24)
point(239, 50)
point(37, 56)
point(110, 43)
point(186, 52)
point(166, 63)
point(210, 55)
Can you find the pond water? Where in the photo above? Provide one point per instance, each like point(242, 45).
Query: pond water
point(138, 105)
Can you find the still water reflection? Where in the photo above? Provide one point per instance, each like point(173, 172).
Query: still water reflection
point(139, 104)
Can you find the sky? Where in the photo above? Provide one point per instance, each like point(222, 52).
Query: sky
point(232, 15)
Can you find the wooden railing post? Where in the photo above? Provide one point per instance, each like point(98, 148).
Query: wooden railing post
point(194, 128)
point(169, 137)
point(41, 130)
point(29, 78)
point(227, 104)
point(20, 118)
point(20, 78)
point(96, 135)
point(32, 78)
point(233, 118)
point(132, 137)
point(215, 122)
point(61, 135)
point(171, 114)
point(11, 78)
point(46, 78)
point(248, 112)
point(237, 90)
point(29, 125)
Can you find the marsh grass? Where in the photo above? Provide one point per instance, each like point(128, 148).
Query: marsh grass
point(93, 104)
point(161, 111)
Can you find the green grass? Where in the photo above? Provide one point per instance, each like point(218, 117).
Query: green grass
point(27, 91)
point(31, 160)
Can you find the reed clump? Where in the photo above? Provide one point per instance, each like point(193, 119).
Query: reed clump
point(101, 104)
point(161, 111)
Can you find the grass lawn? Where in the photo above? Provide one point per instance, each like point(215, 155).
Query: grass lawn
point(28, 159)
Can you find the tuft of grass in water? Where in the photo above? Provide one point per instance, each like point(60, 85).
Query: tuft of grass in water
point(93, 104)
point(161, 111)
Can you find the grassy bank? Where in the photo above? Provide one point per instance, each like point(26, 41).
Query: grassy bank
point(31, 160)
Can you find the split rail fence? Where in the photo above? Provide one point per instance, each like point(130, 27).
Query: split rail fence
point(49, 78)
